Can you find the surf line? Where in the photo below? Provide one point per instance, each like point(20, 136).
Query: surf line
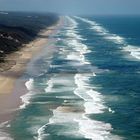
point(93, 100)
point(134, 51)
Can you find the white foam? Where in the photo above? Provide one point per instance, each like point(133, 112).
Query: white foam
point(3, 13)
point(96, 130)
point(78, 46)
point(102, 31)
point(77, 57)
point(80, 50)
point(75, 44)
point(62, 81)
point(72, 23)
point(26, 98)
point(65, 84)
point(49, 86)
point(95, 26)
point(29, 84)
point(4, 135)
point(134, 51)
point(115, 38)
point(71, 33)
point(94, 104)
point(86, 20)
point(96, 96)
point(110, 110)
point(94, 74)
point(81, 80)
point(41, 134)
point(93, 99)
point(93, 107)
point(4, 124)
point(59, 117)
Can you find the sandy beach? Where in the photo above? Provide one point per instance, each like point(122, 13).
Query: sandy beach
point(13, 69)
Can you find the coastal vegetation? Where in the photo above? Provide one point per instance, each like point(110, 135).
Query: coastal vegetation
point(20, 28)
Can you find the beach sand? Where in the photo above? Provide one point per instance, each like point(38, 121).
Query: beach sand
point(13, 69)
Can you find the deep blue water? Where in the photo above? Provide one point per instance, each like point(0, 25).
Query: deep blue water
point(89, 89)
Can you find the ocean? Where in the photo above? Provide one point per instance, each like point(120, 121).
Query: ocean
point(89, 88)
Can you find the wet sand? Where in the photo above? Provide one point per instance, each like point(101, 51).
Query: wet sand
point(14, 68)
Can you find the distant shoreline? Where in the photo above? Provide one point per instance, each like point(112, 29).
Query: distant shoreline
point(20, 28)
point(19, 60)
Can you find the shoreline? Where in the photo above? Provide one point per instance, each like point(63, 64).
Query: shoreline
point(11, 88)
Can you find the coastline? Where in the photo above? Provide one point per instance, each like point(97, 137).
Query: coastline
point(9, 97)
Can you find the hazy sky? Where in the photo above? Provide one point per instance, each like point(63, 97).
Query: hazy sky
point(74, 6)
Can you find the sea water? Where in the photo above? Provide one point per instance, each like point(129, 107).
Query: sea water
point(89, 89)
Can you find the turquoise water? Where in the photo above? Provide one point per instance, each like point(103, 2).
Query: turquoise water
point(89, 89)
